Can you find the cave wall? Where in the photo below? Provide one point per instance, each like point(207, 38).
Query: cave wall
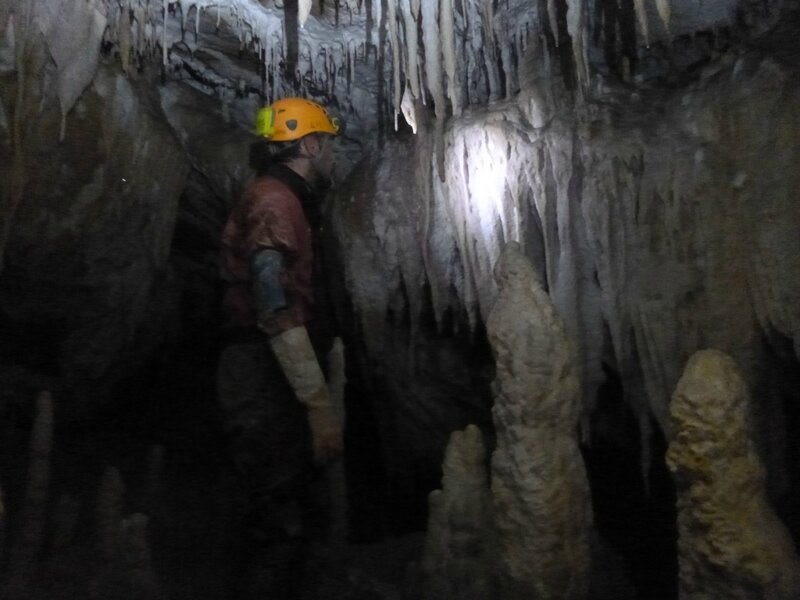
point(650, 178)
point(662, 221)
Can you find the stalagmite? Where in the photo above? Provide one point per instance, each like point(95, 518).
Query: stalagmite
point(2, 526)
point(447, 30)
point(28, 540)
point(65, 522)
point(303, 10)
point(542, 506)
point(155, 475)
point(641, 13)
point(456, 560)
point(109, 513)
point(137, 558)
point(730, 542)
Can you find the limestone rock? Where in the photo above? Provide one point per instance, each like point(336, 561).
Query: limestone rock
point(731, 544)
point(456, 562)
point(542, 507)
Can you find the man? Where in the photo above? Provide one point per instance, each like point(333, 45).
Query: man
point(271, 387)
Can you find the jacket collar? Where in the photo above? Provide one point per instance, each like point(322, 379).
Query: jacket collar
point(296, 183)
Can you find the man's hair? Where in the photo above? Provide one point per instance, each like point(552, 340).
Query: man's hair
point(264, 154)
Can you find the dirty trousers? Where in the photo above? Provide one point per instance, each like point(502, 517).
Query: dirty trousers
point(269, 444)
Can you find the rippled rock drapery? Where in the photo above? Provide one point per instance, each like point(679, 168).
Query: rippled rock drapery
point(665, 222)
point(542, 504)
point(730, 544)
point(111, 191)
point(89, 205)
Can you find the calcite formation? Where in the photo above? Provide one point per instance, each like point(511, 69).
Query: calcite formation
point(542, 507)
point(457, 558)
point(730, 543)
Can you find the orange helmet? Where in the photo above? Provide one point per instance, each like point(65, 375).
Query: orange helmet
point(292, 118)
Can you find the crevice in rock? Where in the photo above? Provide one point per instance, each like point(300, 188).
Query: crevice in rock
point(636, 519)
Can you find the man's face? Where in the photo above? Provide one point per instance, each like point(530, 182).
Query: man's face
point(323, 161)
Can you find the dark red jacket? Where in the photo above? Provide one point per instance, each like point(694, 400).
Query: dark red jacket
point(269, 215)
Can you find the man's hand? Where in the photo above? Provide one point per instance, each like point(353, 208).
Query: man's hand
point(326, 432)
point(293, 350)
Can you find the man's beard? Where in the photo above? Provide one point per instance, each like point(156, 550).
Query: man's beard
point(321, 181)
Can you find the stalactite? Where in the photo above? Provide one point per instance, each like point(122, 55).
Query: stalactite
point(433, 72)
point(124, 39)
point(576, 26)
point(407, 108)
point(433, 64)
point(552, 14)
point(412, 50)
point(196, 23)
point(506, 42)
point(447, 30)
point(641, 13)
point(391, 23)
point(184, 15)
point(664, 11)
point(421, 75)
point(291, 36)
point(489, 49)
point(303, 10)
point(164, 43)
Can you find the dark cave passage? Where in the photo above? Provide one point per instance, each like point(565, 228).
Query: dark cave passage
point(637, 517)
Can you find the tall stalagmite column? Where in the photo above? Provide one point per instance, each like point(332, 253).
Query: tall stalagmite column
point(730, 543)
point(542, 504)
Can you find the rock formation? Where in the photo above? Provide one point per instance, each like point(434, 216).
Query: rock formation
point(730, 545)
point(542, 506)
point(457, 558)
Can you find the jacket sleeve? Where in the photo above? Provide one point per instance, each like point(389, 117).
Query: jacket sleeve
point(270, 227)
